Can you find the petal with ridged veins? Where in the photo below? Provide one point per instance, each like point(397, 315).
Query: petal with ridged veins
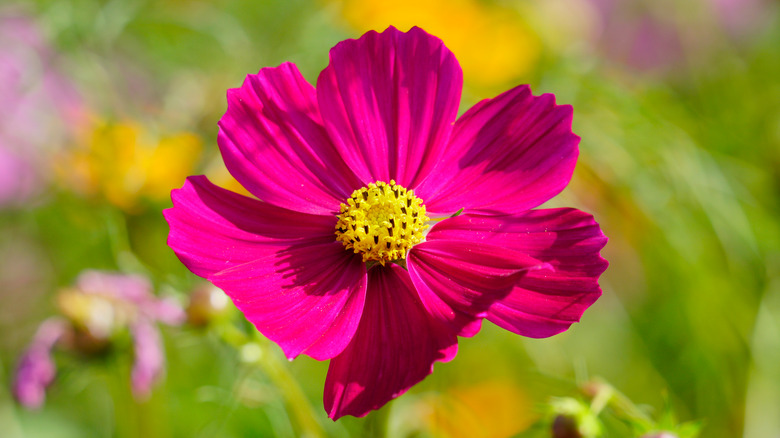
point(542, 303)
point(395, 347)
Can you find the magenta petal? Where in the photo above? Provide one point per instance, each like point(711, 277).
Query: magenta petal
point(388, 102)
point(213, 229)
point(393, 349)
point(506, 155)
point(283, 269)
point(274, 144)
point(458, 281)
point(542, 303)
point(307, 298)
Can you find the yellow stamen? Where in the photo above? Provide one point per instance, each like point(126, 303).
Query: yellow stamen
point(382, 222)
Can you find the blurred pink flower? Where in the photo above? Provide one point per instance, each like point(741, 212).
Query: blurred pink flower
point(134, 292)
point(633, 35)
point(19, 179)
point(39, 107)
point(149, 357)
point(336, 261)
point(36, 368)
point(647, 36)
point(741, 17)
point(100, 305)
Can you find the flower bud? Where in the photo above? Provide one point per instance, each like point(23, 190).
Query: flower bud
point(565, 426)
point(207, 303)
point(574, 419)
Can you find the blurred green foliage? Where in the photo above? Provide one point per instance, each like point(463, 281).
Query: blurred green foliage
point(680, 164)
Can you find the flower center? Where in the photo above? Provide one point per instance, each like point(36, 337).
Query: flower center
point(382, 222)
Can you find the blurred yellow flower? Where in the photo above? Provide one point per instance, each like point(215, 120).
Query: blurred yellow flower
point(491, 409)
point(124, 163)
point(491, 42)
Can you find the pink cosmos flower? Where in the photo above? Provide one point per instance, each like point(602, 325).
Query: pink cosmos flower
point(338, 259)
point(134, 307)
point(101, 305)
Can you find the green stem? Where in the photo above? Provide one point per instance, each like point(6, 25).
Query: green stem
point(119, 239)
point(258, 352)
point(8, 418)
point(376, 423)
point(623, 407)
point(126, 421)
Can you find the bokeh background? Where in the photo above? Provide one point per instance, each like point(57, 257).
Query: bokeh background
point(105, 106)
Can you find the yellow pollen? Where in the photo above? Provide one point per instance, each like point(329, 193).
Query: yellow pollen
point(382, 222)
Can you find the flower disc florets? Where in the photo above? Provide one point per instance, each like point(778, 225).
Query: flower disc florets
point(382, 222)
